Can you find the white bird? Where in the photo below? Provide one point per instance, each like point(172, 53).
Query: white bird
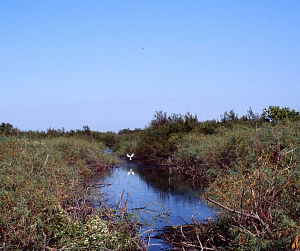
point(130, 172)
point(130, 156)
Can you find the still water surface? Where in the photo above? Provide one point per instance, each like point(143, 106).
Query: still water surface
point(157, 198)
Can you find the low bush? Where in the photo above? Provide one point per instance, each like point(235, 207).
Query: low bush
point(43, 204)
point(253, 177)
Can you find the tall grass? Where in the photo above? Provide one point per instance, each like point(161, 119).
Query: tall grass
point(253, 177)
point(42, 200)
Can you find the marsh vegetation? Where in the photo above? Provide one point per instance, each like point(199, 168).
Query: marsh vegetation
point(44, 196)
point(249, 165)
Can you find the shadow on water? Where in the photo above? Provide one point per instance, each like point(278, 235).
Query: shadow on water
point(157, 198)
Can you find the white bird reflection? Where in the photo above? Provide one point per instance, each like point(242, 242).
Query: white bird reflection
point(130, 172)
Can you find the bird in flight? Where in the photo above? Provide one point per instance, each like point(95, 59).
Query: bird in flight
point(130, 156)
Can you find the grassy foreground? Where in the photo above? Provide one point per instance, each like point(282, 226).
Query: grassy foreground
point(43, 197)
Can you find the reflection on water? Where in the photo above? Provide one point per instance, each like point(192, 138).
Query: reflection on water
point(157, 198)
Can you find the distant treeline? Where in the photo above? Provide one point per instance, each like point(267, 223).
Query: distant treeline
point(182, 123)
point(160, 139)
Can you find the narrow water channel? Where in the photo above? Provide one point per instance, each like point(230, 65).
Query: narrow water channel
point(156, 198)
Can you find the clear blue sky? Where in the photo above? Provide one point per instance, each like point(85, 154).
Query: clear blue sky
point(69, 63)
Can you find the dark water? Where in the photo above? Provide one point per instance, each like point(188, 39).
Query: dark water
point(155, 197)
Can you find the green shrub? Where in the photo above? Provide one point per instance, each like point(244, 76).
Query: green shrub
point(275, 113)
point(41, 184)
point(252, 175)
point(260, 187)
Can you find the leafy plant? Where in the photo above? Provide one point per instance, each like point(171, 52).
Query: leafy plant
point(275, 113)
